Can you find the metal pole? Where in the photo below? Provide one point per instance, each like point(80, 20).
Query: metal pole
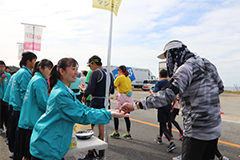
point(108, 75)
point(33, 37)
point(33, 25)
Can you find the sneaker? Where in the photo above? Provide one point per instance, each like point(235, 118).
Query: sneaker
point(11, 154)
point(158, 140)
point(171, 147)
point(127, 135)
point(225, 158)
point(89, 156)
point(1, 130)
point(177, 158)
point(181, 136)
point(115, 135)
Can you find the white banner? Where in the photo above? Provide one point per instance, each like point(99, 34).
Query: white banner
point(20, 50)
point(32, 37)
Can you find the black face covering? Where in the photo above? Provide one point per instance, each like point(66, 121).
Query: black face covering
point(176, 57)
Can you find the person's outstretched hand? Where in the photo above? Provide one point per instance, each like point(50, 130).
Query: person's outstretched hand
point(126, 108)
point(118, 114)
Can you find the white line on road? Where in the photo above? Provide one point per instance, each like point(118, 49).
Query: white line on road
point(231, 121)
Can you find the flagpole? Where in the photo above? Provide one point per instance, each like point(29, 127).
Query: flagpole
point(108, 75)
point(33, 38)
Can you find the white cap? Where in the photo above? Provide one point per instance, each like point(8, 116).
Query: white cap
point(170, 45)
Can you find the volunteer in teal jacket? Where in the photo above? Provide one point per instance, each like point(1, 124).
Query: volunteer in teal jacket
point(51, 136)
point(4, 79)
point(19, 87)
point(17, 92)
point(8, 89)
point(35, 102)
point(4, 84)
point(34, 105)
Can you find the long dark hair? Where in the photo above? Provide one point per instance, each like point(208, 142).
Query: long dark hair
point(55, 74)
point(43, 63)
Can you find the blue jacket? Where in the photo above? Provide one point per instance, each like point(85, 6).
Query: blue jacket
point(3, 85)
point(19, 87)
point(51, 136)
point(34, 103)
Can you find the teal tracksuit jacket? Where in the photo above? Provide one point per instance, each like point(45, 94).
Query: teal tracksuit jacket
point(51, 136)
point(4, 84)
point(19, 87)
point(7, 91)
point(34, 103)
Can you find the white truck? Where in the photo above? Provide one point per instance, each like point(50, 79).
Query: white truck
point(137, 75)
point(162, 65)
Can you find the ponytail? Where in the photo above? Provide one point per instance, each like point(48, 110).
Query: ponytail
point(36, 68)
point(126, 73)
point(54, 76)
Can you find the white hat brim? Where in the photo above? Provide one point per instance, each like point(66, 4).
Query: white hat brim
point(161, 56)
point(170, 45)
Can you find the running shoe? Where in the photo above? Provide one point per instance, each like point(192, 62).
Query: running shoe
point(225, 158)
point(171, 147)
point(181, 136)
point(158, 140)
point(115, 135)
point(1, 130)
point(89, 156)
point(127, 136)
point(177, 158)
point(11, 154)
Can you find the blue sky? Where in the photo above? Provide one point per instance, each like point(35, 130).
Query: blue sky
point(210, 29)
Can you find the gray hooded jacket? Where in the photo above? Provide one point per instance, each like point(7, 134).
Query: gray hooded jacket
point(199, 85)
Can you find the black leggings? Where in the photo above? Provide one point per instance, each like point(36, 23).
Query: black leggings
point(217, 153)
point(171, 121)
point(127, 120)
point(163, 129)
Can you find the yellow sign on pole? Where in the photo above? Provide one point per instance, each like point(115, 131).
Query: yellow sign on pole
point(111, 5)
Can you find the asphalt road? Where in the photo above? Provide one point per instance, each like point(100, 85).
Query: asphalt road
point(144, 129)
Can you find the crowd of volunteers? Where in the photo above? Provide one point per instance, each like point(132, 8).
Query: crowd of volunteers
point(41, 102)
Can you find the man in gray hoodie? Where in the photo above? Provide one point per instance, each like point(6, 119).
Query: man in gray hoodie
point(197, 82)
